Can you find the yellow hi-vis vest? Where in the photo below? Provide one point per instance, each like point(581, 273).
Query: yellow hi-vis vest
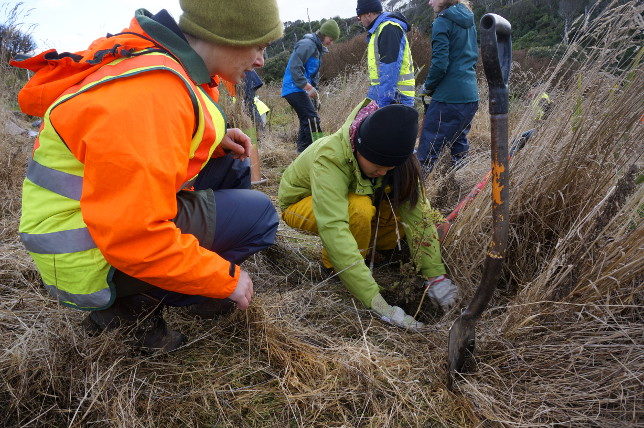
point(52, 228)
point(538, 104)
point(406, 79)
point(261, 107)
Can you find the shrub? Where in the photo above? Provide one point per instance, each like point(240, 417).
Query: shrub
point(273, 69)
point(13, 41)
point(552, 52)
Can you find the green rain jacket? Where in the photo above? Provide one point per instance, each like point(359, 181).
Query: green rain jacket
point(329, 171)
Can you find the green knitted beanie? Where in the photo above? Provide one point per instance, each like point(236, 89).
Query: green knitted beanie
point(330, 28)
point(233, 23)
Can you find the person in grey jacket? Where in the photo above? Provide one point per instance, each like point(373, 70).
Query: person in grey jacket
point(451, 82)
point(299, 86)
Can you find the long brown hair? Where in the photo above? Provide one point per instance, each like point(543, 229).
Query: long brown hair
point(403, 183)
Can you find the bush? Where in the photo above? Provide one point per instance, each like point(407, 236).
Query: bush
point(559, 346)
point(13, 41)
point(273, 69)
point(344, 56)
point(547, 31)
point(553, 52)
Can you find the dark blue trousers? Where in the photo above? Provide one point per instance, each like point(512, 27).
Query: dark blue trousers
point(445, 125)
point(244, 222)
point(308, 117)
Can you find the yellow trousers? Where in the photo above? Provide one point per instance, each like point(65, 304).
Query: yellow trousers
point(383, 230)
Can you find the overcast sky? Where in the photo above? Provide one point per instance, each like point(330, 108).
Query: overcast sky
point(70, 25)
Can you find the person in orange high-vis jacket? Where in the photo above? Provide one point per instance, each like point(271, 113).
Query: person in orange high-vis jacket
point(137, 196)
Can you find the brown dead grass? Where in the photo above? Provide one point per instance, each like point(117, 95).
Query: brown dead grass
point(561, 344)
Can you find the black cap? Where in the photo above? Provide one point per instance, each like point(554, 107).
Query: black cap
point(366, 6)
point(387, 137)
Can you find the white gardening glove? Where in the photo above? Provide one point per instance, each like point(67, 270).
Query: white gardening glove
point(442, 291)
point(393, 314)
point(311, 91)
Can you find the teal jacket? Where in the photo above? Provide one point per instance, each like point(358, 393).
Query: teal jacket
point(452, 72)
point(329, 171)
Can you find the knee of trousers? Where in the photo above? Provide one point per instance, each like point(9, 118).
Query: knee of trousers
point(300, 215)
point(361, 211)
point(266, 215)
point(250, 212)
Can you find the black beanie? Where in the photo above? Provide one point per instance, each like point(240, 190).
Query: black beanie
point(366, 6)
point(387, 137)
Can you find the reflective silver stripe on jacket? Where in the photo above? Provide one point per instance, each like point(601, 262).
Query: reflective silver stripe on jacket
point(61, 183)
point(406, 88)
point(97, 299)
point(407, 76)
point(63, 242)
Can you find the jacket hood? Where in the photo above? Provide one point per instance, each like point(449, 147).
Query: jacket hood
point(315, 39)
point(55, 73)
point(400, 17)
point(459, 14)
point(390, 16)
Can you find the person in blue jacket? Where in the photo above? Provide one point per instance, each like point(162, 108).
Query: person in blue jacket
point(451, 82)
point(389, 60)
point(301, 77)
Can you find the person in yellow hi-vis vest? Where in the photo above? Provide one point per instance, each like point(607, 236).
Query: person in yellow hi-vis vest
point(262, 110)
point(137, 196)
point(541, 105)
point(389, 60)
point(255, 121)
point(251, 83)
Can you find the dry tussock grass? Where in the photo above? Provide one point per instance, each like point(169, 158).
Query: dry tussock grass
point(562, 343)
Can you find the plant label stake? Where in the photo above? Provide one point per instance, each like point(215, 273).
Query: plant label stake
point(496, 52)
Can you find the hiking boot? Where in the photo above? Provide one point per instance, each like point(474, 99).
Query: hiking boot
point(142, 319)
point(212, 308)
point(153, 336)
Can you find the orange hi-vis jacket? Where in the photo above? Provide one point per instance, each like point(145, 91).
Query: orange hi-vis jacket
point(130, 122)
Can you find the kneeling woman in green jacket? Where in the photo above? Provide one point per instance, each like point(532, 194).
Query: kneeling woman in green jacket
point(333, 187)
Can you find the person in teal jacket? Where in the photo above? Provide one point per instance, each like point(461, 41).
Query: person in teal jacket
point(451, 82)
point(360, 188)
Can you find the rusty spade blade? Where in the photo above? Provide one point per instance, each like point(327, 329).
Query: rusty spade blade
point(460, 349)
point(496, 52)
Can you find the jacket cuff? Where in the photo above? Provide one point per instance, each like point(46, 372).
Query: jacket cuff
point(433, 271)
point(223, 289)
